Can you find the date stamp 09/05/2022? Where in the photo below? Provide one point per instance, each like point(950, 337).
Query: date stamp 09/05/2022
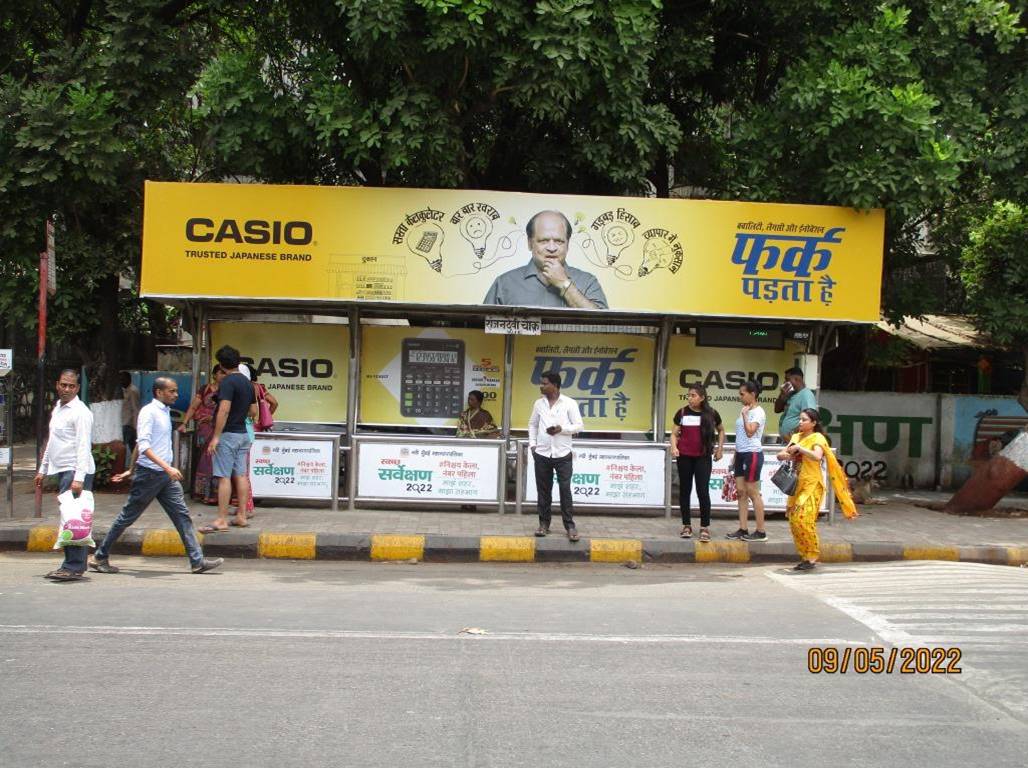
point(878, 660)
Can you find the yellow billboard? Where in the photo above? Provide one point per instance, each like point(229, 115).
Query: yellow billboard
point(471, 247)
point(609, 374)
point(305, 366)
point(422, 376)
point(722, 370)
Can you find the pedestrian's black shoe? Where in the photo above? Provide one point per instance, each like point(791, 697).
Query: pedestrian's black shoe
point(542, 530)
point(804, 565)
point(755, 536)
point(62, 574)
point(208, 564)
point(738, 534)
point(572, 534)
point(102, 565)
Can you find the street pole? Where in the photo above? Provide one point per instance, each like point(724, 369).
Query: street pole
point(47, 285)
point(41, 372)
point(7, 425)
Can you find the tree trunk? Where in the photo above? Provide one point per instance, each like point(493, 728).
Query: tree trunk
point(993, 480)
point(1022, 396)
point(105, 376)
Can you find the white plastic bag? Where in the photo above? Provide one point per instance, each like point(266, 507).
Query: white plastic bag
point(76, 529)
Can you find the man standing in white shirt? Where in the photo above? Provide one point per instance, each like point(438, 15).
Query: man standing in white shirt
point(555, 418)
point(129, 412)
point(69, 455)
point(155, 478)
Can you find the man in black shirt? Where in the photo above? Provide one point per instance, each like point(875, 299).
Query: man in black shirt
point(230, 444)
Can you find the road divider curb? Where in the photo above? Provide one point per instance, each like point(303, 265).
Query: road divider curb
point(507, 549)
point(41, 538)
point(308, 545)
point(164, 543)
point(615, 550)
point(931, 553)
point(723, 552)
point(287, 546)
point(395, 547)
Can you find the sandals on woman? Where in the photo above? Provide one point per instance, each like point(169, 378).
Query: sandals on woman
point(686, 532)
point(704, 534)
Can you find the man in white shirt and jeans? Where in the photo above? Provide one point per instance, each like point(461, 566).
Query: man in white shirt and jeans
point(555, 418)
point(69, 455)
point(155, 478)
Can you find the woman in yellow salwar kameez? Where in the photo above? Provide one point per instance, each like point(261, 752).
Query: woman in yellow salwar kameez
point(809, 447)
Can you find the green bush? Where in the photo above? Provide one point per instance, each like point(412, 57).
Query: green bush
point(104, 457)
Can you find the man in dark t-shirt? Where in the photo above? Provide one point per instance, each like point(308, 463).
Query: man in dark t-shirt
point(230, 443)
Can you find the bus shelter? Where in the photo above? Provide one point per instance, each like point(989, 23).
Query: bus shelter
point(371, 313)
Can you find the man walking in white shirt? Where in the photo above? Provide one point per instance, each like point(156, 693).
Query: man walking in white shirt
point(555, 418)
point(69, 455)
point(155, 478)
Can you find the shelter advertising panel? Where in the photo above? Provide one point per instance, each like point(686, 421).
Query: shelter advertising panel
point(722, 491)
point(610, 375)
point(471, 247)
point(610, 476)
point(423, 471)
point(422, 376)
point(303, 365)
point(292, 468)
point(722, 370)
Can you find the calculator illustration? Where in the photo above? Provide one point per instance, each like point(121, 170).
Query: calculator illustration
point(432, 375)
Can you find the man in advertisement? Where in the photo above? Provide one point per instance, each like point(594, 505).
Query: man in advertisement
point(555, 419)
point(547, 280)
point(792, 400)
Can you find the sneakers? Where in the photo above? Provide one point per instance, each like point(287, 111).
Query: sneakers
point(102, 565)
point(208, 564)
point(755, 536)
point(739, 534)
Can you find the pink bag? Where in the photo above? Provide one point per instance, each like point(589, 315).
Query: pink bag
point(265, 420)
point(729, 492)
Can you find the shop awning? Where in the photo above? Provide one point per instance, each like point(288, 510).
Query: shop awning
point(938, 332)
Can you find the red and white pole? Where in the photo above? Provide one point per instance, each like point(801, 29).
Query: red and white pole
point(41, 372)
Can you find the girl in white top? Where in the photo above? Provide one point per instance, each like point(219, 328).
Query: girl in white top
point(749, 461)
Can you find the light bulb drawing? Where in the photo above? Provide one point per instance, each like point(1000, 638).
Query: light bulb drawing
point(617, 238)
point(660, 253)
point(426, 241)
point(476, 230)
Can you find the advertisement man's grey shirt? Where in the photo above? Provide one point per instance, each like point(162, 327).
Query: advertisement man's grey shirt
point(522, 287)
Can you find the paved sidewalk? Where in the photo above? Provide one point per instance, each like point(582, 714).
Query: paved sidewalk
point(897, 529)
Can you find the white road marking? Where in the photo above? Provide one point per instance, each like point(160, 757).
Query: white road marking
point(979, 608)
point(315, 634)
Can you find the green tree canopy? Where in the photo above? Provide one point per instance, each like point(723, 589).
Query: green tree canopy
point(915, 106)
point(994, 271)
point(93, 98)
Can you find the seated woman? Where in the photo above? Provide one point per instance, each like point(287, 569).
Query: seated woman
point(475, 421)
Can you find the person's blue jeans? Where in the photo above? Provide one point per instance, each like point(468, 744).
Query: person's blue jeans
point(147, 485)
point(75, 556)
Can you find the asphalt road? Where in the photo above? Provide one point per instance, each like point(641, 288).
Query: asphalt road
point(287, 663)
